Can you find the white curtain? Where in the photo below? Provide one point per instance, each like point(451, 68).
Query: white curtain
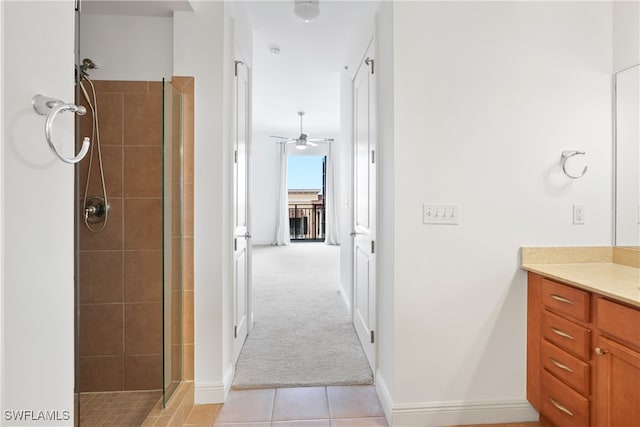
point(332, 228)
point(282, 227)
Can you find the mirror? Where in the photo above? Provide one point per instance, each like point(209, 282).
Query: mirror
point(627, 158)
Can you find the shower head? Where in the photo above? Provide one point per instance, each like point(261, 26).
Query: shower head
point(87, 64)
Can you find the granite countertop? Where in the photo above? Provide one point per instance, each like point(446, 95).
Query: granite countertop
point(594, 269)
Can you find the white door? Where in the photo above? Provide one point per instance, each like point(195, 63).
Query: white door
point(241, 244)
point(364, 206)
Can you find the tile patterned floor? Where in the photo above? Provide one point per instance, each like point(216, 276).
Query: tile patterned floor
point(121, 409)
point(354, 406)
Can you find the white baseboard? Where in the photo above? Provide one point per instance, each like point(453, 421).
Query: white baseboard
point(435, 414)
point(384, 396)
point(345, 299)
point(214, 392)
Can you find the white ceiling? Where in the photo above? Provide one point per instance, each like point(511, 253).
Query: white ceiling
point(305, 76)
point(135, 7)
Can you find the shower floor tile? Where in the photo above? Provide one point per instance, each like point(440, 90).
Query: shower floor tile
point(122, 409)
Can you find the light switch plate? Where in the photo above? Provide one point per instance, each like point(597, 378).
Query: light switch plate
point(440, 213)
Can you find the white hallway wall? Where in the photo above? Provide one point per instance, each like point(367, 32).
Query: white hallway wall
point(203, 48)
point(626, 34)
point(36, 284)
point(127, 47)
point(486, 96)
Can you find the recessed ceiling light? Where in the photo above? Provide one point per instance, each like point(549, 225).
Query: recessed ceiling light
point(275, 50)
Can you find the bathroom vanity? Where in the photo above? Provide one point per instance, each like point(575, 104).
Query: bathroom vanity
point(583, 335)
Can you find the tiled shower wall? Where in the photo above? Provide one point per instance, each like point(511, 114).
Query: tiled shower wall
point(186, 86)
point(121, 266)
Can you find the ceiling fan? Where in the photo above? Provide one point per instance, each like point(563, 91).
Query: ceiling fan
point(303, 140)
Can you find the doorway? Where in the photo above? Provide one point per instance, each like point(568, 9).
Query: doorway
point(306, 197)
point(271, 102)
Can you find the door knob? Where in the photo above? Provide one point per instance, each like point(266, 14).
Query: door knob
point(599, 351)
point(245, 235)
point(355, 233)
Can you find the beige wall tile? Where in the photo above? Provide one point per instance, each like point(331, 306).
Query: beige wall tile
point(143, 119)
point(155, 87)
point(101, 373)
point(143, 224)
point(143, 328)
point(188, 209)
point(187, 362)
point(176, 264)
point(112, 168)
point(187, 316)
point(176, 363)
point(188, 159)
point(101, 274)
point(121, 86)
point(176, 316)
point(187, 263)
point(143, 372)
point(101, 329)
point(142, 172)
point(110, 118)
point(143, 276)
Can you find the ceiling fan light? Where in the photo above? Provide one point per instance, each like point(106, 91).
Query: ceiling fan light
point(301, 145)
point(307, 10)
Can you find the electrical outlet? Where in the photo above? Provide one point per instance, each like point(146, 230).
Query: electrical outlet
point(578, 214)
point(439, 213)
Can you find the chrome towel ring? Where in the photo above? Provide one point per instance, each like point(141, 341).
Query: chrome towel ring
point(51, 107)
point(566, 155)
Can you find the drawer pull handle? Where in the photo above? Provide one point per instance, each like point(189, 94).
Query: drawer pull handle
point(562, 333)
point(560, 365)
point(561, 299)
point(599, 351)
point(560, 407)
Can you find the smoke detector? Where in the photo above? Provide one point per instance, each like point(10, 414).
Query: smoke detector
point(307, 10)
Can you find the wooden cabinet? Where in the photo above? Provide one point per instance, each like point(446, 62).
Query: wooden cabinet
point(583, 357)
point(617, 391)
point(617, 365)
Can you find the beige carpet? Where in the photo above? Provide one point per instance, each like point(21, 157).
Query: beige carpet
point(302, 334)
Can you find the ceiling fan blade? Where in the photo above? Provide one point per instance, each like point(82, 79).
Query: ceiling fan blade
point(321, 140)
point(281, 137)
point(313, 144)
point(291, 141)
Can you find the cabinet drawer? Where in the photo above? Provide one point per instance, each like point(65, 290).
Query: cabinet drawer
point(566, 334)
point(618, 321)
point(566, 300)
point(562, 405)
point(570, 370)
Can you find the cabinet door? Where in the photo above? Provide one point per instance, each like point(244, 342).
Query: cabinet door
point(617, 393)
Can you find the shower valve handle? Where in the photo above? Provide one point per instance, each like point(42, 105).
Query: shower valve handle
point(89, 210)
